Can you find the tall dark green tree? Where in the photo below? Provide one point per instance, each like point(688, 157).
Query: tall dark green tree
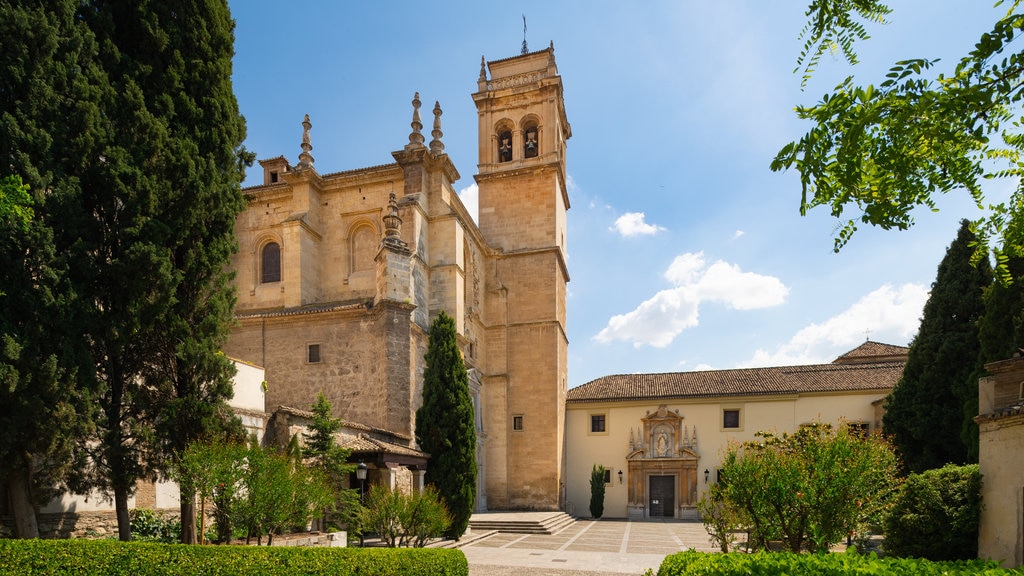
point(47, 82)
point(134, 134)
point(1001, 336)
point(445, 425)
point(925, 411)
point(41, 410)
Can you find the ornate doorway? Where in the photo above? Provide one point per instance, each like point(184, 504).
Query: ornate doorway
point(662, 464)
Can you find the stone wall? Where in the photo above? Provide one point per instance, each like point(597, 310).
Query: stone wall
point(101, 524)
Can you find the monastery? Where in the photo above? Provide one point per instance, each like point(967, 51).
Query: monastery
point(339, 276)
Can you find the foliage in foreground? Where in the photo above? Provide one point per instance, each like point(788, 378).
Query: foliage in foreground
point(882, 151)
point(110, 558)
point(780, 563)
point(936, 515)
point(809, 489)
point(401, 519)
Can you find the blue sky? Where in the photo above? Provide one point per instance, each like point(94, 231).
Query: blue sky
point(685, 251)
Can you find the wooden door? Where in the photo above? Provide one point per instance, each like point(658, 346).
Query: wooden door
point(662, 496)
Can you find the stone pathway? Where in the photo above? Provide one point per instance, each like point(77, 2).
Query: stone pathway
point(586, 548)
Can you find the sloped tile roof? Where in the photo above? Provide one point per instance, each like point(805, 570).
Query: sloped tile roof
point(362, 444)
point(871, 351)
point(863, 375)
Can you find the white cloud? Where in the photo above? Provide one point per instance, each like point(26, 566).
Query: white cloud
point(890, 315)
point(658, 320)
point(737, 234)
point(470, 197)
point(632, 224)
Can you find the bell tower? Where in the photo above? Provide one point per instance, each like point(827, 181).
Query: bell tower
point(523, 202)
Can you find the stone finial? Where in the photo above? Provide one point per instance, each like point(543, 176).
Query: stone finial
point(483, 68)
point(416, 138)
point(436, 146)
point(305, 158)
point(393, 225)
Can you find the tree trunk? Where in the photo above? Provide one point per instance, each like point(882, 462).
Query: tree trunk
point(124, 523)
point(25, 525)
point(188, 519)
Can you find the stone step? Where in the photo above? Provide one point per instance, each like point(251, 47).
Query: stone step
point(521, 523)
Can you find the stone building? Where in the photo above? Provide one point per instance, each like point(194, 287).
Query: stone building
point(661, 436)
point(1001, 443)
point(340, 274)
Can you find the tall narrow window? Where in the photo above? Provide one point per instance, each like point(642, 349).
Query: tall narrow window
point(313, 354)
point(505, 146)
point(517, 423)
point(270, 263)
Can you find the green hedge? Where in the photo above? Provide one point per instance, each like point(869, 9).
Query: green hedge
point(936, 515)
point(784, 563)
point(113, 558)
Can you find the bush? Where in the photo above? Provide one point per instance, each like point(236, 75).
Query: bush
point(936, 515)
point(784, 563)
point(113, 558)
point(401, 519)
point(148, 526)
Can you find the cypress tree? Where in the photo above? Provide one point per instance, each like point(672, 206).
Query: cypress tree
point(123, 113)
point(597, 491)
point(1001, 335)
point(445, 425)
point(925, 411)
point(47, 82)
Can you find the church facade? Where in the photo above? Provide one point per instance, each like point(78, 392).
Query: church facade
point(339, 276)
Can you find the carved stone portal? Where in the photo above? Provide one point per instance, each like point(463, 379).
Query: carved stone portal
point(662, 463)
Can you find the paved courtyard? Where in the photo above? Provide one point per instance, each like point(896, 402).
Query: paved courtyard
point(587, 547)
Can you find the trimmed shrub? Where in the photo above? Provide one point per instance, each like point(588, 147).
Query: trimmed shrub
point(785, 563)
point(113, 558)
point(597, 491)
point(936, 515)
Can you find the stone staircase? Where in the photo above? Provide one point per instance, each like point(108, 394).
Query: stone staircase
point(521, 522)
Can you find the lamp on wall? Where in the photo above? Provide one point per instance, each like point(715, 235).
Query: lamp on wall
point(707, 474)
point(620, 476)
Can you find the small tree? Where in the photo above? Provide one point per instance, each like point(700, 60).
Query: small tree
point(720, 520)
point(446, 427)
point(330, 459)
point(204, 469)
point(597, 491)
point(809, 488)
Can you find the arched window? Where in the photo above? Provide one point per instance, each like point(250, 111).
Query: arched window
point(531, 144)
point(505, 146)
point(270, 263)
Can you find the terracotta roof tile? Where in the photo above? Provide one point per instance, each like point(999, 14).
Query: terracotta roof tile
point(836, 377)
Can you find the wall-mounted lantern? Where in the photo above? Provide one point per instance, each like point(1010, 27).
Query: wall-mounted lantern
point(620, 476)
point(707, 474)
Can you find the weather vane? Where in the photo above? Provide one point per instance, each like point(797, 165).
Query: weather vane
point(525, 50)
